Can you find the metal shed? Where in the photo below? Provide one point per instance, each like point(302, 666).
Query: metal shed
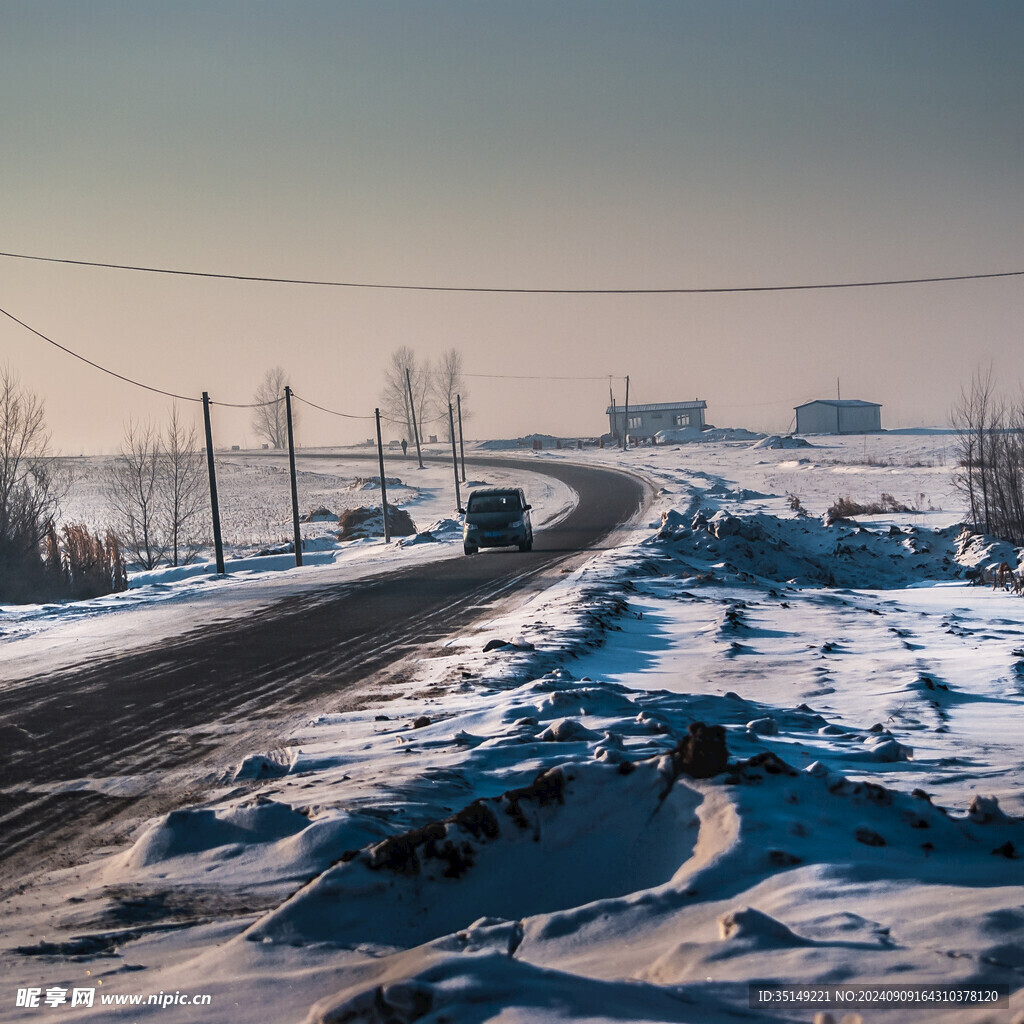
point(646, 420)
point(838, 416)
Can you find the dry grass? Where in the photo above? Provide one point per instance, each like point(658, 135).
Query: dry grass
point(73, 564)
point(845, 508)
point(91, 566)
point(366, 521)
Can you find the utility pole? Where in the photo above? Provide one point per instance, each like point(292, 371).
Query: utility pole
point(383, 482)
point(218, 545)
point(625, 419)
point(455, 461)
point(412, 409)
point(291, 469)
point(615, 422)
point(462, 440)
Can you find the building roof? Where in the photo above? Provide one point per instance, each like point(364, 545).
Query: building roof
point(846, 403)
point(660, 406)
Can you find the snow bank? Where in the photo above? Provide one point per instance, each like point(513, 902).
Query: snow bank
point(508, 835)
point(691, 435)
point(503, 857)
point(802, 550)
point(774, 441)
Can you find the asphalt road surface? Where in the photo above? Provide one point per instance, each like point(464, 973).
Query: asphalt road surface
point(144, 711)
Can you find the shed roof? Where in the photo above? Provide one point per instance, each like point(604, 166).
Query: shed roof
point(660, 406)
point(846, 403)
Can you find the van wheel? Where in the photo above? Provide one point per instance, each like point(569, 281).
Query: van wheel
point(527, 545)
point(469, 549)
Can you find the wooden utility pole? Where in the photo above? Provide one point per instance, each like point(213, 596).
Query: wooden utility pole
point(615, 422)
point(412, 409)
point(455, 460)
point(291, 470)
point(218, 545)
point(462, 440)
point(383, 482)
point(625, 419)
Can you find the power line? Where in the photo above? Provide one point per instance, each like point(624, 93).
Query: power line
point(751, 405)
point(443, 374)
point(241, 405)
point(129, 380)
point(731, 289)
point(517, 376)
point(247, 405)
point(332, 412)
point(96, 366)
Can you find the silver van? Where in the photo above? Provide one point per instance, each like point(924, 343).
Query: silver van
point(497, 517)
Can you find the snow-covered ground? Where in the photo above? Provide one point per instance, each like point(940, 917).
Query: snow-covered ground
point(541, 832)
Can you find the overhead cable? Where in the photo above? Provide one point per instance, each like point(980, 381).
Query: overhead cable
point(519, 291)
point(518, 376)
point(130, 380)
point(332, 412)
point(89, 362)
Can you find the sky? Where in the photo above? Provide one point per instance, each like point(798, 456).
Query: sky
point(532, 145)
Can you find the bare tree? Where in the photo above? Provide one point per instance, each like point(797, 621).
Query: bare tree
point(269, 420)
point(135, 494)
point(965, 476)
point(990, 459)
point(394, 400)
point(182, 490)
point(447, 381)
point(30, 491)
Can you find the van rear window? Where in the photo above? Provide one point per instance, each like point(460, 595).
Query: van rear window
point(494, 503)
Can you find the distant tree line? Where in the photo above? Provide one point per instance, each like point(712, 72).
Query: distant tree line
point(990, 459)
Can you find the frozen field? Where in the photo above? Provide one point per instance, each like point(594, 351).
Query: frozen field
point(516, 834)
point(255, 498)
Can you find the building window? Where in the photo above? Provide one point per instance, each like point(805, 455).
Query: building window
point(682, 419)
point(636, 422)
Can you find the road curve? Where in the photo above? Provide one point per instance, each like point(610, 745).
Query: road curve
point(125, 715)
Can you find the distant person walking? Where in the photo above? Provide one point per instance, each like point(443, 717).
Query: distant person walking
point(405, 446)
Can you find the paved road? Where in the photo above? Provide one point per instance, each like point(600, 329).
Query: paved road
point(125, 715)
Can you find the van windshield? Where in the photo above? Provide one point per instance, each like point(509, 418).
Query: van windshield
point(495, 503)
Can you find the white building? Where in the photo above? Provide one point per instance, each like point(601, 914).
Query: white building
point(646, 420)
point(838, 416)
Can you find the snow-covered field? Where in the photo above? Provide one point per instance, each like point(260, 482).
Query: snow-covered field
point(518, 835)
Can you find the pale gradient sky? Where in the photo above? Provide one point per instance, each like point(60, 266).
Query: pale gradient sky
point(529, 144)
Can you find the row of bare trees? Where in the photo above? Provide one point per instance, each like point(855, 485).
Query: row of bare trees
point(434, 386)
point(990, 458)
point(158, 492)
